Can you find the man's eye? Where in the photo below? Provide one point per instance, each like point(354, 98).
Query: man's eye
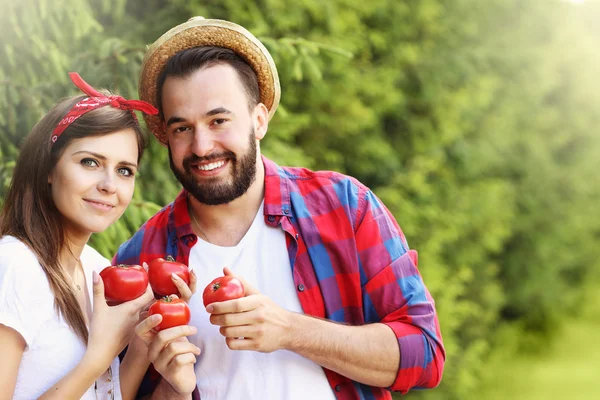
point(180, 129)
point(219, 121)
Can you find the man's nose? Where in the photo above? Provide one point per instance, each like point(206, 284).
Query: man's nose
point(203, 143)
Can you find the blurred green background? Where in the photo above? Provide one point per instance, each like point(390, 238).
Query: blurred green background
point(475, 121)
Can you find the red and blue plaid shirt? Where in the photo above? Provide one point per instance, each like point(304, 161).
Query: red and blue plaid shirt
point(351, 264)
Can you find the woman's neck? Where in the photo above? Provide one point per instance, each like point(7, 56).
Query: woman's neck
point(70, 255)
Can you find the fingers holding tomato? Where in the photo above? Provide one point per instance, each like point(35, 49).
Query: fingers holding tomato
point(145, 329)
point(173, 310)
point(264, 325)
point(123, 283)
point(186, 291)
point(242, 312)
point(173, 357)
point(160, 275)
point(248, 288)
point(222, 288)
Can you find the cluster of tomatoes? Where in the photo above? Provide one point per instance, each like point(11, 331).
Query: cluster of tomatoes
point(127, 282)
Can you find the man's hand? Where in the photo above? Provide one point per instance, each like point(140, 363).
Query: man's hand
point(253, 322)
point(172, 355)
point(368, 354)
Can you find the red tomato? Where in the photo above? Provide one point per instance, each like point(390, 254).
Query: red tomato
point(174, 312)
point(159, 273)
point(221, 289)
point(123, 283)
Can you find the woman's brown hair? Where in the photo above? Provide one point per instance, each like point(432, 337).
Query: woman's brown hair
point(29, 213)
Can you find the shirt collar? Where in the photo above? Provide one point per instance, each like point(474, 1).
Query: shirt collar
point(277, 192)
point(179, 217)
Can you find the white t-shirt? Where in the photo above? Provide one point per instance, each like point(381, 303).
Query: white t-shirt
point(262, 259)
point(27, 306)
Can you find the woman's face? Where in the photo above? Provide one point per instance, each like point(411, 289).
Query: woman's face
point(93, 181)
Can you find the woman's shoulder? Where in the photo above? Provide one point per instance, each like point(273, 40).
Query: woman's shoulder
point(14, 250)
point(19, 264)
point(8, 242)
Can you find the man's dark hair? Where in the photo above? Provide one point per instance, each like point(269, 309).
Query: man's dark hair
point(186, 62)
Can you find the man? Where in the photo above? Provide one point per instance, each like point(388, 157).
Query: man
point(335, 306)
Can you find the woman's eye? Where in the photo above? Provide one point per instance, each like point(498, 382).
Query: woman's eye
point(126, 171)
point(89, 162)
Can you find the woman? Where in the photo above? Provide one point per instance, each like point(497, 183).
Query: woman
point(75, 176)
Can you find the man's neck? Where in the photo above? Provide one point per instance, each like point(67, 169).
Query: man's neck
point(226, 224)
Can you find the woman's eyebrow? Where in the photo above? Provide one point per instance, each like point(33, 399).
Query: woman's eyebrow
point(100, 156)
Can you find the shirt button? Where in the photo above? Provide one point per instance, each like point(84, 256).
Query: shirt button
point(107, 379)
point(297, 236)
point(271, 218)
point(110, 391)
point(301, 288)
point(286, 212)
point(338, 388)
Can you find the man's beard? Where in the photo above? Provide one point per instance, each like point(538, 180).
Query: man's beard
point(212, 192)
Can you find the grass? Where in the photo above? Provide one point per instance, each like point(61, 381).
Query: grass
point(570, 369)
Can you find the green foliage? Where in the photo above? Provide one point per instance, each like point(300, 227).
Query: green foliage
point(475, 122)
point(540, 373)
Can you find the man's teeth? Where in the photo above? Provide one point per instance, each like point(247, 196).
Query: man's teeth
point(211, 166)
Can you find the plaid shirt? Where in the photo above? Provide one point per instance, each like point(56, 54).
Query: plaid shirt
point(350, 261)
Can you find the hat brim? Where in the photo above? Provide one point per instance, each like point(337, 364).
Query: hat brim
point(199, 32)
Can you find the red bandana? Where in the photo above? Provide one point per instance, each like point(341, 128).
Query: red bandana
point(97, 100)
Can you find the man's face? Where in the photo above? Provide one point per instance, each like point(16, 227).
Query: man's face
point(212, 134)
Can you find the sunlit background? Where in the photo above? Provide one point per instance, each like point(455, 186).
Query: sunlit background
point(475, 121)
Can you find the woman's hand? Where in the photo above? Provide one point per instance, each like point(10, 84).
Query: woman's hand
point(169, 350)
point(186, 292)
point(138, 345)
point(111, 328)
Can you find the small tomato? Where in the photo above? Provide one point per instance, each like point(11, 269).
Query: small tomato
point(221, 289)
point(123, 283)
point(159, 273)
point(174, 312)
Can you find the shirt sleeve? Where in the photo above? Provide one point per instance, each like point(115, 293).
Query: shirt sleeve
point(24, 292)
point(396, 296)
point(131, 252)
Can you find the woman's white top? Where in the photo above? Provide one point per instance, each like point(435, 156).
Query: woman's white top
point(27, 306)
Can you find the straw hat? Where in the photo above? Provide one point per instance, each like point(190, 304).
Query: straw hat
point(207, 32)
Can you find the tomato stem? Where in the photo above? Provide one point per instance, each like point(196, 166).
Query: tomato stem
point(170, 258)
